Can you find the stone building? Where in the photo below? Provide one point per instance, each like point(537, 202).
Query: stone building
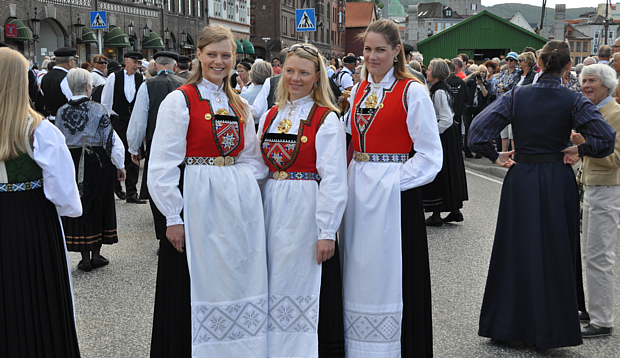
point(138, 25)
point(272, 26)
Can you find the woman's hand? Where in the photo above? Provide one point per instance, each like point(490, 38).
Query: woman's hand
point(176, 236)
point(576, 138)
point(504, 159)
point(121, 174)
point(571, 155)
point(324, 250)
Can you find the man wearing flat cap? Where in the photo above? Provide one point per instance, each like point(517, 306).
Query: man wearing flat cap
point(144, 119)
point(183, 65)
point(54, 86)
point(344, 79)
point(119, 98)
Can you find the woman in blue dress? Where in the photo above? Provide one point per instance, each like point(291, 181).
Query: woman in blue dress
point(531, 291)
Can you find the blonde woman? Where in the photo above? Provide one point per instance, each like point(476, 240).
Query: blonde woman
point(212, 301)
point(37, 185)
point(303, 143)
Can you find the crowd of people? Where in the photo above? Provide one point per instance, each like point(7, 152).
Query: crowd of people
point(288, 197)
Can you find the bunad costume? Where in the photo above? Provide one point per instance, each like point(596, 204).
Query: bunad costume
point(304, 200)
point(200, 135)
point(535, 273)
point(448, 190)
point(36, 303)
point(96, 150)
point(387, 297)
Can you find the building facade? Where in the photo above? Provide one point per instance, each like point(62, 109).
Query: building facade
point(147, 26)
point(593, 26)
point(272, 26)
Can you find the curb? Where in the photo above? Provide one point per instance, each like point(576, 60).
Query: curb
point(485, 166)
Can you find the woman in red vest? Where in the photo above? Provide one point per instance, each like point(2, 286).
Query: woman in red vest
point(387, 294)
point(205, 141)
point(303, 143)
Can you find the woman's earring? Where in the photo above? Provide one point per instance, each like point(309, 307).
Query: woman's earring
point(315, 85)
point(395, 59)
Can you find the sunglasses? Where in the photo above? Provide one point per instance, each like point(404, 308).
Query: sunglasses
point(521, 60)
point(510, 60)
point(308, 49)
point(103, 62)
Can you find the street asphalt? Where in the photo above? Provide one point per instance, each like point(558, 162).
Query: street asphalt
point(114, 304)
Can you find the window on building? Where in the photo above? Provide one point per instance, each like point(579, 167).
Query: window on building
point(611, 34)
point(448, 13)
point(585, 46)
point(253, 24)
point(199, 8)
point(570, 33)
point(578, 48)
point(180, 10)
point(190, 10)
point(474, 7)
point(169, 5)
point(283, 25)
point(572, 46)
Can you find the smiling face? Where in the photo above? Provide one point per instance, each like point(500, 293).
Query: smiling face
point(511, 63)
point(593, 89)
point(216, 59)
point(300, 75)
point(101, 65)
point(379, 55)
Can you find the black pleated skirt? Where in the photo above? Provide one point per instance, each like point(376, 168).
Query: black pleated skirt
point(36, 308)
point(533, 286)
point(331, 321)
point(97, 225)
point(417, 327)
point(449, 189)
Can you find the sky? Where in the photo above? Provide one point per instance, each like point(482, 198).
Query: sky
point(550, 3)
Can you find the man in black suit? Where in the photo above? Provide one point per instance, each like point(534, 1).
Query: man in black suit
point(119, 97)
point(54, 86)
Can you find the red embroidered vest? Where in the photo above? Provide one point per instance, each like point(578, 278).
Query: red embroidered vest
point(302, 156)
point(207, 134)
point(385, 130)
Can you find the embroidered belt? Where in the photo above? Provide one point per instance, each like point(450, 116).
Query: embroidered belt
point(294, 176)
point(29, 185)
point(217, 161)
point(380, 157)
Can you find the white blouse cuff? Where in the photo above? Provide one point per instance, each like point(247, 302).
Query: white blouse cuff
point(174, 220)
point(327, 236)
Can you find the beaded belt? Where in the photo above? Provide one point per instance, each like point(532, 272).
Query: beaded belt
point(380, 157)
point(29, 185)
point(294, 176)
point(217, 161)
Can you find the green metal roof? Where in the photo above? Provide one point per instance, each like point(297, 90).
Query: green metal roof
point(479, 32)
point(23, 32)
point(247, 47)
point(239, 46)
point(396, 9)
point(88, 36)
point(154, 42)
point(117, 38)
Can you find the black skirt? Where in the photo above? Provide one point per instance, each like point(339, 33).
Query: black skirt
point(532, 289)
point(36, 307)
point(97, 225)
point(449, 189)
point(172, 331)
point(417, 327)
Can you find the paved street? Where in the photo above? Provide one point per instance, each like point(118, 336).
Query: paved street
point(114, 304)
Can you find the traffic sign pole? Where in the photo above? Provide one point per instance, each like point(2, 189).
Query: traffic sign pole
point(306, 37)
point(99, 35)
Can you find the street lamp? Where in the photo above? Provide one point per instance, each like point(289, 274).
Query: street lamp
point(36, 25)
point(130, 29)
point(146, 31)
point(78, 29)
point(167, 34)
point(183, 37)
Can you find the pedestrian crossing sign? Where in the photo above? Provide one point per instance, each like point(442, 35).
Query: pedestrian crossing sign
point(98, 20)
point(304, 18)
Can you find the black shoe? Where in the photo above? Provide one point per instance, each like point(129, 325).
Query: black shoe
point(100, 262)
point(478, 156)
point(120, 194)
point(468, 155)
point(85, 265)
point(591, 331)
point(453, 217)
point(135, 200)
point(584, 317)
point(433, 222)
